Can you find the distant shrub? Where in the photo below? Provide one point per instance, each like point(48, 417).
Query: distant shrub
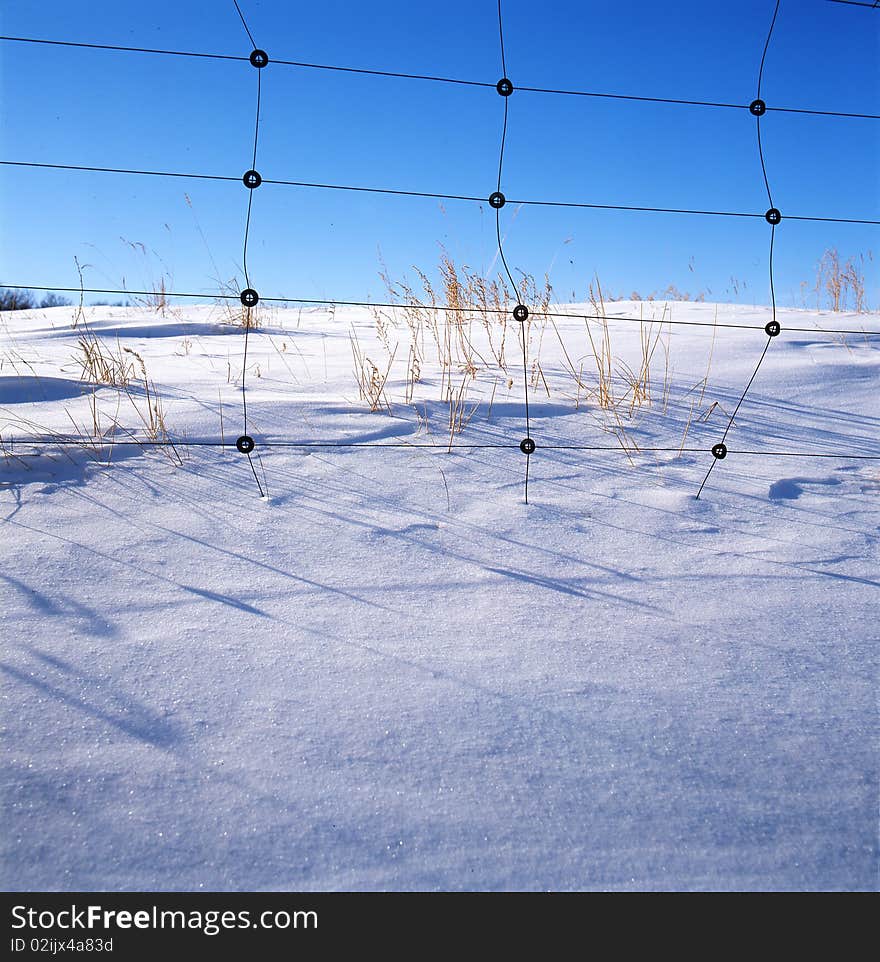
point(54, 300)
point(12, 299)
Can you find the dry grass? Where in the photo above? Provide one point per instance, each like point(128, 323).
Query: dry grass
point(371, 381)
point(840, 285)
point(151, 410)
point(459, 411)
point(460, 326)
point(100, 365)
point(124, 369)
point(155, 283)
point(233, 312)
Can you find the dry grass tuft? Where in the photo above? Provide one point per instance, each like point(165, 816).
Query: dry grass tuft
point(841, 285)
point(459, 325)
point(124, 369)
point(371, 381)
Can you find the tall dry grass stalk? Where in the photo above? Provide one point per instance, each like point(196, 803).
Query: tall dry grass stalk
point(455, 329)
point(157, 298)
point(840, 285)
point(371, 381)
point(124, 369)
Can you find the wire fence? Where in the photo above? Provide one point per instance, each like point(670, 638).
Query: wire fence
point(249, 297)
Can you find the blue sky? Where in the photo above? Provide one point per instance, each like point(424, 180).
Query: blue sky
point(66, 105)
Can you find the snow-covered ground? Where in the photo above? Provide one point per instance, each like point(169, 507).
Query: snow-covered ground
point(395, 674)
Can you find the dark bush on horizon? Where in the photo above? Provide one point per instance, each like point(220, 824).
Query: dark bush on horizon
point(12, 299)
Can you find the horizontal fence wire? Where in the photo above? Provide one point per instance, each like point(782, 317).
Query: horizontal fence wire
point(859, 3)
point(446, 308)
point(442, 447)
point(574, 205)
point(675, 101)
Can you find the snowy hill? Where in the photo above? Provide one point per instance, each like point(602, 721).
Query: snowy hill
point(391, 672)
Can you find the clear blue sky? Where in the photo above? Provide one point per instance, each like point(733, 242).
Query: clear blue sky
point(65, 105)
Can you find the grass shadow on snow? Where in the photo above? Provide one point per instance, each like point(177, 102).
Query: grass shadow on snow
point(55, 467)
point(93, 695)
point(28, 389)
